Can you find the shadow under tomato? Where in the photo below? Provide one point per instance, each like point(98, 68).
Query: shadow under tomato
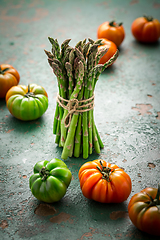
point(2, 102)
point(142, 45)
point(121, 49)
point(24, 126)
point(110, 69)
point(135, 233)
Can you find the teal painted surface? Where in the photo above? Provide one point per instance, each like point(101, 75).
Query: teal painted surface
point(127, 115)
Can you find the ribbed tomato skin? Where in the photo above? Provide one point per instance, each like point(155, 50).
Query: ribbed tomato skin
point(146, 219)
point(28, 107)
point(114, 190)
point(146, 31)
point(9, 77)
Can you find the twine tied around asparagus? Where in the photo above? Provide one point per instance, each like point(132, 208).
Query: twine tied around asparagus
point(75, 106)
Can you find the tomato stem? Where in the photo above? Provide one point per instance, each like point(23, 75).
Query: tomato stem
point(105, 171)
point(4, 70)
point(44, 173)
point(158, 196)
point(114, 24)
point(156, 201)
point(29, 93)
point(28, 88)
point(148, 18)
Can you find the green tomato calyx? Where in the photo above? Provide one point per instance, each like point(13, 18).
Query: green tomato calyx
point(156, 201)
point(148, 18)
point(105, 171)
point(114, 24)
point(44, 173)
point(29, 93)
point(4, 70)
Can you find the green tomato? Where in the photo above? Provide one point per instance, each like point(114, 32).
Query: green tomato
point(50, 180)
point(27, 102)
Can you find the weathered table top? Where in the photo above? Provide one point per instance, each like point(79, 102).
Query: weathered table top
point(127, 115)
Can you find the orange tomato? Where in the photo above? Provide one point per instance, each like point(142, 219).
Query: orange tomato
point(144, 212)
point(104, 182)
point(112, 48)
point(146, 29)
point(9, 77)
point(112, 31)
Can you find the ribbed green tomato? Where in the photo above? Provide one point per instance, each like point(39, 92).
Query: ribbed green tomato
point(27, 102)
point(50, 180)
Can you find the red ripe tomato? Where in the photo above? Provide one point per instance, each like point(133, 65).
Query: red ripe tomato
point(104, 182)
point(112, 31)
point(112, 49)
point(9, 77)
point(144, 210)
point(146, 29)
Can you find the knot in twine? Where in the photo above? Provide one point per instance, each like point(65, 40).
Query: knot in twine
point(75, 106)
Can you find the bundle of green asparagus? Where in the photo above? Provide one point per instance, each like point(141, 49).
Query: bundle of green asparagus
point(77, 71)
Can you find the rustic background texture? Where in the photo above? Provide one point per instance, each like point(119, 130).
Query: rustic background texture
point(127, 115)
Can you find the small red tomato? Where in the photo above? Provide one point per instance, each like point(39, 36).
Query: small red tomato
point(112, 48)
point(146, 29)
point(112, 31)
point(9, 77)
point(144, 210)
point(104, 182)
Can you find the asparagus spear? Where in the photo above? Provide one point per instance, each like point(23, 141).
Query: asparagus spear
point(78, 134)
point(64, 46)
point(55, 47)
point(73, 96)
point(72, 127)
point(87, 116)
